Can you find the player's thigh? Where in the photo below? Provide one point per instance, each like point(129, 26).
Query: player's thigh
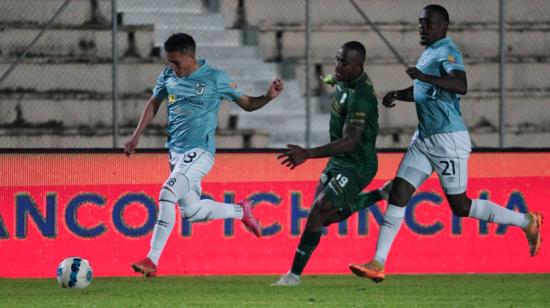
point(449, 157)
point(345, 184)
point(415, 166)
point(188, 169)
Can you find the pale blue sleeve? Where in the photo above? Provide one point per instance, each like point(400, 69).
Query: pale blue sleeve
point(159, 91)
point(451, 59)
point(227, 88)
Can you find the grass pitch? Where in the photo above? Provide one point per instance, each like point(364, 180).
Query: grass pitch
point(255, 291)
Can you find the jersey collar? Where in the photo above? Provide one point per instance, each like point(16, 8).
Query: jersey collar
point(202, 66)
point(352, 84)
point(439, 43)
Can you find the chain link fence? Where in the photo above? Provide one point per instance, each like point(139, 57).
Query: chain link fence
point(56, 67)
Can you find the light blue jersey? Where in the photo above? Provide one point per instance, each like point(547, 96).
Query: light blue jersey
point(438, 110)
point(193, 105)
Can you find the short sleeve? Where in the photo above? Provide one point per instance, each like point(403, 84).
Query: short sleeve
point(160, 88)
point(451, 59)
point(226, 88)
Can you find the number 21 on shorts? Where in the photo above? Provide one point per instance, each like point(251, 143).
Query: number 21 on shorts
point(448, 167)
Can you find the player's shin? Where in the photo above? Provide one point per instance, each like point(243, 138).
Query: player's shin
point(492, 212)
point(391, 225)
point(163, 226)
point(308, 243)
point(364, 200)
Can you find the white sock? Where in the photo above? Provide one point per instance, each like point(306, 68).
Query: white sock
point(219, 210)
point(392, 222)
point(163, 227)
point(492, 212)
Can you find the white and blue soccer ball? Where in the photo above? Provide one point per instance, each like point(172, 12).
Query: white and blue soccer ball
point(74, 272)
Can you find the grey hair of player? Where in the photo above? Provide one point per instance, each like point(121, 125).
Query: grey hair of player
point(181, 42)
point(359, 49)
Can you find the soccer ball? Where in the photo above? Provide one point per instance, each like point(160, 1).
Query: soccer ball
point(74, 272)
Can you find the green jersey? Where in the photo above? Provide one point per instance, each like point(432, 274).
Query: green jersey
point(355, 103)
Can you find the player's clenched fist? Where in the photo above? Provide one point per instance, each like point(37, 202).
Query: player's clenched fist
point(275, 89)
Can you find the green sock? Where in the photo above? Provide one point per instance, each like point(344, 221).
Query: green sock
point(364, 200)
point(308, 243)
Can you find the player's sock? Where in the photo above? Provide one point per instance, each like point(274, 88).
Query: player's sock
point(364, 200)
point(389, 228)
point(492, 212)
point(308, 243)
point(218, 210)
point(163, 228)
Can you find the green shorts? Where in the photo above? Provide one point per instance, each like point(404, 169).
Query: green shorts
point(341, 185)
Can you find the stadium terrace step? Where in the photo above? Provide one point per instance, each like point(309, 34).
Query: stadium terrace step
point(203, 37)
point(287, 103)
point(133, 77)
point(287, 128)
point(74, 111)
point(75, 42)
point(481, 76)
point(184, 6)
point(529, 40)
point(94, 137)
point(479, 112)
point(228, 53)
point(77, 12)
point(269, 12)
point(184, 20)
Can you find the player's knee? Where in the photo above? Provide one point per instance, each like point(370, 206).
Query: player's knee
point(398, 198)
point(401, 192)
point(167, 195)
point(314, 221)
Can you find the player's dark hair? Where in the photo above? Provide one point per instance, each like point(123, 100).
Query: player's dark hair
point(180, 42)
point(436, 8)
point(358, 47)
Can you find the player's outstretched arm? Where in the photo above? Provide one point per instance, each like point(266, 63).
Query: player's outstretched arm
point(296, 155)
point(402, 95)
point(251, 103)
point(149, 112)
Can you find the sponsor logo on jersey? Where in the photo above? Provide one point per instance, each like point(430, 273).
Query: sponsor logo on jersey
point(172, 98)
point(200, 88)
point(451, 59)
point(343, 98)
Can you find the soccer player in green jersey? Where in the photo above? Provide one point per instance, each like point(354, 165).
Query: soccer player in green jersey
point(353, 161)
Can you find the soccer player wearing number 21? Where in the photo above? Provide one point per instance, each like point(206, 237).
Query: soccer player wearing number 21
point(194, 91)
point(441, 143)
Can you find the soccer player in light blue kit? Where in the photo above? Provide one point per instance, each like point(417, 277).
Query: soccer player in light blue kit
point(441, 143)
point(194, 91)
